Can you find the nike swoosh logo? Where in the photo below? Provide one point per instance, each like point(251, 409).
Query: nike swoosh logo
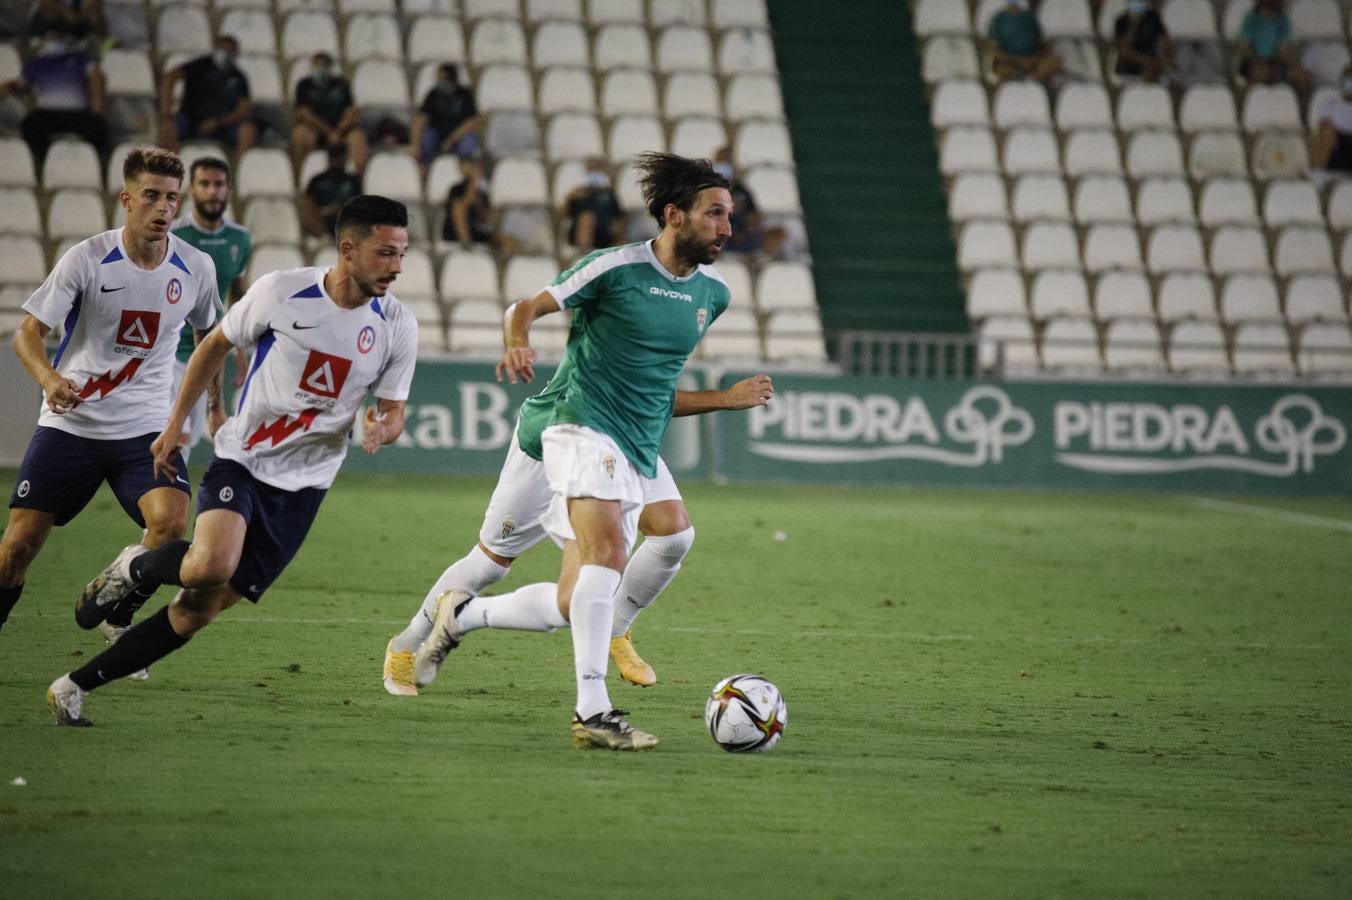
point(104, 289)
point(299, 327)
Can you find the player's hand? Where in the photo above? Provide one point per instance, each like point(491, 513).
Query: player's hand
point(375, 432)
point(62, 395)
point(754, 391)
point(162, 449)
point(517, 363)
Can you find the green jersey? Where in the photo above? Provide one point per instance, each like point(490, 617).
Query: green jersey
point(228, 247)
point(634, 326)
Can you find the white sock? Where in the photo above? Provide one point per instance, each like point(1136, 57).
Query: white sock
point(650, 570)
point(590, 613)
point(471, 573)
point(534, 607)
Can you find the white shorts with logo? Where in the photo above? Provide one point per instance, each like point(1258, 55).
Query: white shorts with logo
point(196, 426)
point(514, 520)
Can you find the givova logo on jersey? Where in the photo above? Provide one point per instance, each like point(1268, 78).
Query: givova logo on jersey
point(137, 331)
point(324, 376)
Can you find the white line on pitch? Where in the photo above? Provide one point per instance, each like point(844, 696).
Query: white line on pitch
point(1267, 512)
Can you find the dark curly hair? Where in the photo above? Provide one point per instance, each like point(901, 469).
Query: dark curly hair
point(667, 178)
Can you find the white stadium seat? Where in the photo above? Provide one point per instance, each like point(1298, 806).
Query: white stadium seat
point(972, 149)
point(1122, 295)
point(986, 244)
point(1132, 345)
point(1038, 197)
point(1028, 150)
point(1263, 349)
point(21, 211)
point(1161, 201)
point(1217, 153)
point(746, 50)
point(1144, 106)
point(1102, 198)
point(75, 213)
point(470, 275)
point(1325, 349)
point(959, 103)
point(1059, 293)
point(1092, 152)
point(1207, 107)
point(977, 196)
point(1303, 250)
point(1314, 298)
point(526, 276)
point(1199, 348)
point(786, 285)
point(1050, 245)
point(1071, 345)
point(695, 94)
point(1112, 247)
point(996, 292)
point(1249, 298)
point(1175, 248)
point(681, 48)
point(1083, 105)
point(629, 91)
point(1238, 248)
point(1227, 201)
point(1006, 343)
point(1186, 295)
point(566, 90)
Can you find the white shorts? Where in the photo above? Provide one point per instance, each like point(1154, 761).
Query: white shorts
point(196, 426)
point(583, 462)
point(514, 520)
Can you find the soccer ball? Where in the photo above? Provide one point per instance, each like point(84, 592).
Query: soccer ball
point(746, 713)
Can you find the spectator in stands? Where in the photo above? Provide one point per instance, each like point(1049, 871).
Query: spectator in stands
point(216, 104)
point(326, 114)
point(1270, 56)
point(327, 192)
point(80, 20)
point(593, 210)
point(1331, 150)
point(1143, 46)
point(1017, 45)
point(469, 215)
point(750, 234)
point(64, 85)
point(448, 120)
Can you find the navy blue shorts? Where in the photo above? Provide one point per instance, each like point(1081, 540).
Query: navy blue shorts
point(278, 521)
point(61, 473)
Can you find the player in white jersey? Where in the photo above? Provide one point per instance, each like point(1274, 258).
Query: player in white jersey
point(120, 299)
point(321, 340)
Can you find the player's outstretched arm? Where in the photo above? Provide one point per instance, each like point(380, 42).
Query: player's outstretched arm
point(62, 393)
point(518, 359)
point(383, 425)
point(204, 366)
point(754, 391)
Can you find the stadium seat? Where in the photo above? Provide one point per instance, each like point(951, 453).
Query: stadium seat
point(468, 274)
point(1092, 152)
point(1083, 105)
point(497, 41)
point(1039, 197)
point(410, 8)
point(16, 163)
point(959, 103)
point(567, 175)
point(691, 94)
point(1249, 298)
point(1227, 201)
point(182, 29)
point(742, 50)
point(71, 164)
point(795, 335)
point(738, 14)
point(21, 211)
point(749, 96)
point(512, 132)
point(1144, 106)
point(1345, 256)
point(775, 189)
point(526, 276)
point(996, 292)
point(1217, 153)
point(416, 278)
point(681, 48)
point(1122, 295)
point(630, 91)
point(1161, 201)
point(573, 136)
point(1049, 245)
point(1059, 293)
point(475, 326)
point(566, 90)
point(1186, 295)
point(307, 32)
point(1198, 348)
point(1112, 247)
point(1133, 346)
point(632, 135)
point(1325, 349)
point(265, 80)
point(435, 39)
point(933, 17)
point(392, 173)
point(21, 259)
point(1175, 248)
point(14, 296)
point(253, 29)
point(1301, 250)
point(1005, 344)
point(1236, 248)
point(1102, 198)
point(738, 277)
point(733, 335)
point(1207, 107)
point(372, 36)
point(356, 7)
point(380, 88)
point(1071, 345)
point(1279, 154)
point(1314, 298)
point(560, 44)
point(486, 9)
point(785, 285)
point(1191, 20)
point(698, 137)
point(1154, 153)
point(273, 220)
point(1270, 107)
point(662, 13)
point(759, 142)
point(622, 46)
point(520, 181)
point(75, 213)
point(971, 149)
point(1263, 349)
point(1021, 103)
point(264, 171)
point(601, 12)
point(504, 88)
point(1314, 19)
point(983, 245)
point(1325, 61)
point(977, 195)
point(128, 73)
point(1031, 150)
point(127, 26)
point(949, 56)
point(265, 258)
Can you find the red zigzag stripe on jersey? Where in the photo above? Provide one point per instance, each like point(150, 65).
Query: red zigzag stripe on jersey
point(105, 384)
point(282, 429)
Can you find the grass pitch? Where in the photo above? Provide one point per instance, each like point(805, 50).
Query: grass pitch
point(990, 694)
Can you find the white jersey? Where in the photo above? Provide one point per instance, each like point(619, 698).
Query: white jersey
point(313, 363)
point(120, 325)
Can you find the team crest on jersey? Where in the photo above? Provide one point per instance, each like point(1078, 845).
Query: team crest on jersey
point(608, 462)
point(174, 292)
point(508, 526)
point(138, 328)
point(701, 316)
point(366, 339)
point(324, 374)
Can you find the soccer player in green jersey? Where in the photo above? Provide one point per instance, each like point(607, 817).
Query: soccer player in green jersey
point(638, 312)
point(228, 244)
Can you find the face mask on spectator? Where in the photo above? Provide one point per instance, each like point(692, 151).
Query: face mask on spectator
point(724, 169)
point(597, 180)
point(321, 74)
point(52, 48)
point(222, 58)
point(1137, 7)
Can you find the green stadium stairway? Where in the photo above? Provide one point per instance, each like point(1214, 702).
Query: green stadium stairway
point(868, 173)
